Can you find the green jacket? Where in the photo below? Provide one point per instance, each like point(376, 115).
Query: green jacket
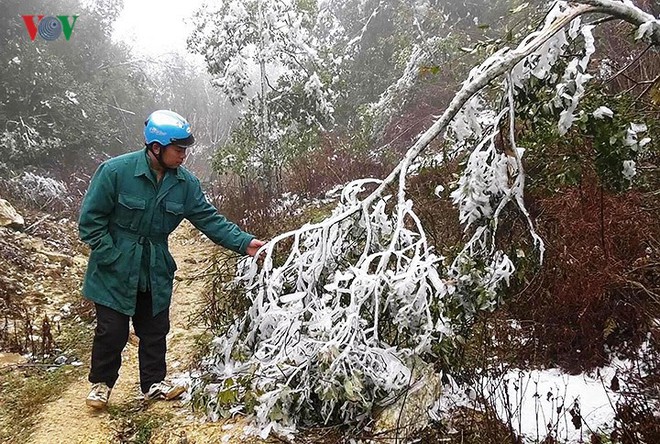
point(126, 217)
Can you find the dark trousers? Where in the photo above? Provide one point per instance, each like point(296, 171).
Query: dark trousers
point(111, 335)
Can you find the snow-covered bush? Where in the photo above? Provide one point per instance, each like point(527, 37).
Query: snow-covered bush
point(42, 191)
point(338, 321)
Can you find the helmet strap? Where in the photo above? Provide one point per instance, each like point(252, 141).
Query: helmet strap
point(159, 156)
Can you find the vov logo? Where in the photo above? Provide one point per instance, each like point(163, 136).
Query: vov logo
point(49, 27)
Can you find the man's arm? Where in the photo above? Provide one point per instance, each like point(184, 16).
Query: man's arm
point(205, 218)
point(95, 216)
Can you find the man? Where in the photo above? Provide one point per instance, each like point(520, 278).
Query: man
point(133, 203)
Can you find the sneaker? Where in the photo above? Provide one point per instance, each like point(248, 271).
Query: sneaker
point(164, 390)
point(98, 396)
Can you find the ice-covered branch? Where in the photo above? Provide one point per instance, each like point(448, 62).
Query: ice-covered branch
point(337, 320)
point(648, 26)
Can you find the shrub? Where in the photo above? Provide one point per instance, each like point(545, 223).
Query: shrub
point(589, 295)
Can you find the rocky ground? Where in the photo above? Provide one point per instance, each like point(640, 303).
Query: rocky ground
point(43, 266)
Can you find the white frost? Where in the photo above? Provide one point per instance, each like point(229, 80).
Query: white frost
point(646, 29)
point(629, 170)
point(72, 97)
point(602, 112)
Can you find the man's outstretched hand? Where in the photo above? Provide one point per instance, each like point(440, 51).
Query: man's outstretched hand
point(254, 246)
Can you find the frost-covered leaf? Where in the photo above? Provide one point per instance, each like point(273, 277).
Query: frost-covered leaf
point(645, 30)
point(629, 170)
point(602, 112)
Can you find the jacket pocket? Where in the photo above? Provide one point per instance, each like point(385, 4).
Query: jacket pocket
point(106, 258)
point(130, 211)
point(170, 263)
point(172, 215)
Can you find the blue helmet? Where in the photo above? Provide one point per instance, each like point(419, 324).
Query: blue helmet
point(167, 127)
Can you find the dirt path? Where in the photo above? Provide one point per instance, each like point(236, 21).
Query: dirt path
point(69, 420)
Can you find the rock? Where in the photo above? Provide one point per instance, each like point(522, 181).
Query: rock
point(33, 243)
point(9, 217)
point(80, 261)
point(409, 414)
point(57, 257)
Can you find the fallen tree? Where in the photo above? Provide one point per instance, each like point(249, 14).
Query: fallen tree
point(337, 324)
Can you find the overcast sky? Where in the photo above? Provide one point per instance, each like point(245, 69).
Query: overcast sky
point(154, 27)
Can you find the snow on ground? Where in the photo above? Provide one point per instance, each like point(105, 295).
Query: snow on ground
point(550, 401)
point(538, 403)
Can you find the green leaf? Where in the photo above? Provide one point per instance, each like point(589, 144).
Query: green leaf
point(350, 391)
point(276, 413)
point(228, 397)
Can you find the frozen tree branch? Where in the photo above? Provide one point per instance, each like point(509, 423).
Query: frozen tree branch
point(337, 323)
point(649, 26)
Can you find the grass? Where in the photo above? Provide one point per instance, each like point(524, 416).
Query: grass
point(23, 395)
point(26, 390)
point(134, 423)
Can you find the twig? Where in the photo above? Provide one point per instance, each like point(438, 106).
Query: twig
point(651, 83)
point(28, 228)
point(602, 224)
point(641, 286)
point(629, 64)
point(403, 404)
point(120, 109)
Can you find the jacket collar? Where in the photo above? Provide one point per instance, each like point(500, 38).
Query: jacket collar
point(142, 167)
point(179, 174)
